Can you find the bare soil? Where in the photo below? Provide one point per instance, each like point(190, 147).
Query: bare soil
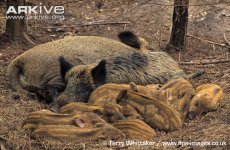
point(149, 20)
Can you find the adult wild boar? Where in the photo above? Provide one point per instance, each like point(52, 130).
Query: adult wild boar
point(38, 69)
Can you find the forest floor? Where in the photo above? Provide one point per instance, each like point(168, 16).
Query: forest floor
point(150, 20)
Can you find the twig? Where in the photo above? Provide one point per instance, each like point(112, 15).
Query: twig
point(3, 138)
point(179, 57)
point(70, 2)
point(208, 41)
point(143, 3)
point(211, 4)
point(172, 46)
point(87, 24)
point(226, 71)
point(205, 62)
point(226, 40)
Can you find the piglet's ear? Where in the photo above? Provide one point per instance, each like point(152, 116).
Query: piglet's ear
point(65, 66)
point(122, 96)
point(79, 122)
point(133, 87)
point(99, 72)
point(216, 91)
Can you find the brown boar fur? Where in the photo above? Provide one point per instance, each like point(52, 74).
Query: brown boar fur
point(178, 93)
point(108, 111)
point(207, 98)
point(79, 107)
point(154, 112)
point(135, 129)
point(69, 132)
point(78, 119)
point(144, 44)
point(109, 92)
point(149, 90)
point(134, 41)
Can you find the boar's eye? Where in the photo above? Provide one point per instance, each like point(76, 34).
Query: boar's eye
point(81, 73)
point(94, 121)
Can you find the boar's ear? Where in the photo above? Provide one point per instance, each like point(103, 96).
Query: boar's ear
point(65, 66)
point(99, 72)
point(133, 87)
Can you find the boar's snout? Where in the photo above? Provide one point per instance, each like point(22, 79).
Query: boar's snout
point(59, 102)
point(77, 90)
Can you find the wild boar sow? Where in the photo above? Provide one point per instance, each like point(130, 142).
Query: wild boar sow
point(39, 69)
point(40, 65)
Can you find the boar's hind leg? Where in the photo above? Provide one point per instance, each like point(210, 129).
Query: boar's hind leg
point(196, 74)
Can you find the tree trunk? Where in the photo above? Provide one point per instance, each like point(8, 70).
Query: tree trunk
point(16, 28)
point(179, 27)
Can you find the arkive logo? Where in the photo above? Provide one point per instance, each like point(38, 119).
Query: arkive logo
point(35, 12)
point(58, 10)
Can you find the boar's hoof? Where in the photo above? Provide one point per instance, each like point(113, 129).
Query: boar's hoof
point(191, 115)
